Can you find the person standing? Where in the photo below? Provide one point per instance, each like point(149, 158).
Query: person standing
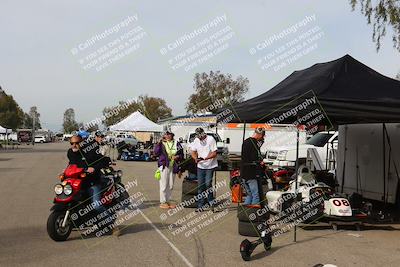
point(204, 153)
point(170, 154)
point(251, 165)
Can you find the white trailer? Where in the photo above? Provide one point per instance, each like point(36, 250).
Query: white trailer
point(361, 160)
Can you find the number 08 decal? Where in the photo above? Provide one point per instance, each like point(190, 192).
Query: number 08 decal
point(341, 202)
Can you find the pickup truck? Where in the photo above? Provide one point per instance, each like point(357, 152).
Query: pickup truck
point(222, 149)
point(285, 156)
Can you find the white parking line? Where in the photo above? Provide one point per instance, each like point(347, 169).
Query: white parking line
point(167, 240)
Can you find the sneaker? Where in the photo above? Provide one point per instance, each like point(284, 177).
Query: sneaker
point(164, 206)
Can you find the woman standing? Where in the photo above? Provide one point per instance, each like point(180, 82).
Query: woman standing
point(170, 154)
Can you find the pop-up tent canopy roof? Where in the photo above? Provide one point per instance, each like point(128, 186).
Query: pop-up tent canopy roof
point(136, 122)
point(348, 92)
point(4, 130)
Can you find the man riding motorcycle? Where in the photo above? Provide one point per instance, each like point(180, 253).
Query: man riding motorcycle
point(89, 157)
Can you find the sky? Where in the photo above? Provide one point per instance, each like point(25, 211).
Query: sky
point(92, 54)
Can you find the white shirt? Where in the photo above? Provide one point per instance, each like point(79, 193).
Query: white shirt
point(203, 149)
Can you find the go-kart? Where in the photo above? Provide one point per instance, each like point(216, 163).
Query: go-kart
point(332, 206)
point(135, 156)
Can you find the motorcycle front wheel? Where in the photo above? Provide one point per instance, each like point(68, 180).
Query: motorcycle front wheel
point(54, 226)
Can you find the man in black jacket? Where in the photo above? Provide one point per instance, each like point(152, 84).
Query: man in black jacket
point(251, 165)
point(86, 154)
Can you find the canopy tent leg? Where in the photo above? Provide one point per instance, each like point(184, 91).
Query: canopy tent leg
point(344, 157)
point(327, 154)
point(296, 174)
point(384, 163)
point(244, 131)
point(395, 168)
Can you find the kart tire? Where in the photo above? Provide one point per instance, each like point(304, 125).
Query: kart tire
point(54, 229)
point(248, 229)
point(189, 199)
point(267, 243)
point(189, 187)
point(250, 214)
point(245, 250)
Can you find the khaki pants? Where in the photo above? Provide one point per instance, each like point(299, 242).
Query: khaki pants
point(166, 184)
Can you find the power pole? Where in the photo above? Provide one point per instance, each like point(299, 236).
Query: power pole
point(33, 129)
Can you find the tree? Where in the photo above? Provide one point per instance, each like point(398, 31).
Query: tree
point(11, 115)
point(215, 90)
point(28, 118)
point(93, 128)
point(381, 13)
point(153, 108)
point(114, 114)
point(70, 123)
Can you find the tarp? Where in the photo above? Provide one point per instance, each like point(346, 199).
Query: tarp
point(4, 130)
point(345, 90)
point(136, 122)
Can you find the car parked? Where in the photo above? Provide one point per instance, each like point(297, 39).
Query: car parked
point(40, 139)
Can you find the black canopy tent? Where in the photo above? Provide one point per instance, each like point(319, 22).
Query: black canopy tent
point(345, 92)
point(348, 91)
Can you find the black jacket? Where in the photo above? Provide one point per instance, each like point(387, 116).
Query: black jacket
point(251, 158)
point(89, 156)
point(93, 157)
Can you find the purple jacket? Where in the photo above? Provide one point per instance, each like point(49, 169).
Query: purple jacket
point(163, 159)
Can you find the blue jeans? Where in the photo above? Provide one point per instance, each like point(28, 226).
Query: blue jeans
point(204, 178)
point(95, 194)
point(253, 197)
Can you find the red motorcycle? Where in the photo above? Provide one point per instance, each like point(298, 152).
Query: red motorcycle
point(73, 208)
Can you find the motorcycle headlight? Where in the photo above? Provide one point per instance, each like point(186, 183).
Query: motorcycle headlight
point(282, 155)
point(68, 189)
point(58, 189)
point(119, 173)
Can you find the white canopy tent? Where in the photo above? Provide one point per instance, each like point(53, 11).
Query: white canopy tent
point(4, 130)
point(136, 122)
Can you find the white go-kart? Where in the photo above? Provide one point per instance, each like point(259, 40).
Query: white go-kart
point(316, 195)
